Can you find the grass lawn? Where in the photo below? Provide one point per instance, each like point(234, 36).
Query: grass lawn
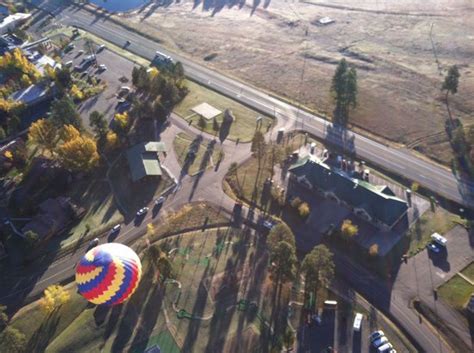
point(469, 271)
point(243, 182)
point(207, 154)
point(440, 221)
point(244, 125)
point(134, 195)
point(456, 292)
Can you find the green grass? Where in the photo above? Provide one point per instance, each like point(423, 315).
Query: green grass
point(242, 128)
point(243, 183)
point(440, 221)
point(456, 292)
point(469, 271)
point(181, 145)
point(40, 330)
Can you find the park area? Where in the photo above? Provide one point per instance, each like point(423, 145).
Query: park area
point(457, 291)
point(242, 128)
point(195, 154)
point(216, 301)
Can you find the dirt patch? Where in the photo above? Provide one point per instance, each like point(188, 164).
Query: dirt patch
point(394, 45)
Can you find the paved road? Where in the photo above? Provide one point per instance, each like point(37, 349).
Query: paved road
point(398, 161)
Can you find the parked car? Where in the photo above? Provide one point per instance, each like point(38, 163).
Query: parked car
point(68, 63)
point(434, 247)
point(159, 201)
point(268, 224)
point(375, 335)
point(93, 243)
point(142, 211)
point(380, 342)
point(115, 229)
point(102, 67)
point(386, 348)
point(80, 52)
point(100, 48)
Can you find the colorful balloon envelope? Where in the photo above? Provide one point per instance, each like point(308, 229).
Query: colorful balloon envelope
point(108, 274)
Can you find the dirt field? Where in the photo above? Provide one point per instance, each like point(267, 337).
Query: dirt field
point(389, 42)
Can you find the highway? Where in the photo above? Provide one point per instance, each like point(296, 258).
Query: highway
point(398, 161)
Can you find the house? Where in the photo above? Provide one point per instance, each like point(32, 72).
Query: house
point(144, 161)
point(376, 204)
point(53, 216)
point(12, 21)
point(41, 61)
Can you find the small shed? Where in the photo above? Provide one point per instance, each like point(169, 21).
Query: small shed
point(207, 111)
point(144, 161)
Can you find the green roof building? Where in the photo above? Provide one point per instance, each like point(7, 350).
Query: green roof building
point(377, 204)
point(143, 159)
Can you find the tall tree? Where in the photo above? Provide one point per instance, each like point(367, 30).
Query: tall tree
point(344, 89)
point(288, 339)
point(450, 85)
point(283, 259)
point(280, 232)
point(98, 124)
point(318, 269)
point(44, 133)
point(63, 112)
point(258, 148)
point(78, 153)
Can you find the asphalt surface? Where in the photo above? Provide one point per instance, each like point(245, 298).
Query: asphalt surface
point(398, 161)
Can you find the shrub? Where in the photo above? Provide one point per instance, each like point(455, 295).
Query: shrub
point(296, 202)
point(304, 210)
point(374, 250)
point(349, 230)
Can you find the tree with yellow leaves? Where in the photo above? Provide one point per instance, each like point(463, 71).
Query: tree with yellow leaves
point(150, 229)
point(112, 141)
point(77, 152)
point(121, 120)
point(76, 93)
point(15, 65)
point(53, 298)
point(44, 134)
point(8, 154)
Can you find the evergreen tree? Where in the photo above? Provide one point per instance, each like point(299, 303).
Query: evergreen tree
point(344, 89)
point(450, 85)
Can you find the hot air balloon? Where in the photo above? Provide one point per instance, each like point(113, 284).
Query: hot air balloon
point(108, 274)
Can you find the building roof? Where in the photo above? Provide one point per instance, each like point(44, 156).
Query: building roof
point(378, 201)
point(11, 21)
point(143, 159)
point(32, 94)
point(40, 61)
point(207, 111)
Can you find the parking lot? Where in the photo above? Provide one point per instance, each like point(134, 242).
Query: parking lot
point(117, 74)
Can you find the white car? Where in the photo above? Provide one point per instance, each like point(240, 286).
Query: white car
point(375, 335)
point(386, 348)
point(160, 200)
point(93, 243)
point(380, 342)
point(115, 229)
point(100, 48)
point(102, 67)
point(142, 211)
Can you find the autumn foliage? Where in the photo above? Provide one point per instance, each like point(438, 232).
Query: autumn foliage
point(53, 298)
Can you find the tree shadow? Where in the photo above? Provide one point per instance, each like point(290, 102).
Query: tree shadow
point(341, 137)
point(41, 338)
point(225, 129)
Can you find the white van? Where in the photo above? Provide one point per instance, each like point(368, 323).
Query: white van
point(438, 238)
point(357, 322)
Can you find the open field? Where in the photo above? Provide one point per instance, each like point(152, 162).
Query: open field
point(456, 292)
point(207, 154)
point(401, 51)
point(242, 128)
